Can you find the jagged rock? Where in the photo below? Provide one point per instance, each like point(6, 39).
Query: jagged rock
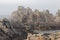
point(49, 17)
point(58, 13)
point(24, 21)
point(58, 16)
point(25, 17)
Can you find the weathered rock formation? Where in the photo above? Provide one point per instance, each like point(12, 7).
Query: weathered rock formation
point(37, 20)
point(24, 21)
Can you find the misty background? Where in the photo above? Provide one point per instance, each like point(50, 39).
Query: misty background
point(8, 6)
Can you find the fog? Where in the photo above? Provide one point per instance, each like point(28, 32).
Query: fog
point(8, 6)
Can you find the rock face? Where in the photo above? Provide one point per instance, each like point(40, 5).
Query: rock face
point(58, 16)
point(33, 20)
point(48, 17)
point(24, 21)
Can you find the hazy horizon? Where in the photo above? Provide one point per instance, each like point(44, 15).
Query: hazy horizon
point(8, 6)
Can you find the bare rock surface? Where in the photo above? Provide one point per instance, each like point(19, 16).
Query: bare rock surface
point(24, 20)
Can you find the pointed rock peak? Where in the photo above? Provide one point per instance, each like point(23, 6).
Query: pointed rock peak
point(47, 12)
point(29, 8)
point(29, 11)
point(36, 10)
point(58, 11)
point(20, 8)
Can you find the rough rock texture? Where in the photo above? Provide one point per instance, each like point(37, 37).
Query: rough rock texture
point(57, 16)
point(45, 36)
point(24, 21)
point(34, 20)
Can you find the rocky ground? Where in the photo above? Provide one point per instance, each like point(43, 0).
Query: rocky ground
point(45, 36)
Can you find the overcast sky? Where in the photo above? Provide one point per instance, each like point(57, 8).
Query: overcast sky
point(7, 6)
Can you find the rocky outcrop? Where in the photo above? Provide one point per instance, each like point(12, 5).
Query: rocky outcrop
point(58, 16)
point(23, 21)
point(8, 32)
point(35, 20)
